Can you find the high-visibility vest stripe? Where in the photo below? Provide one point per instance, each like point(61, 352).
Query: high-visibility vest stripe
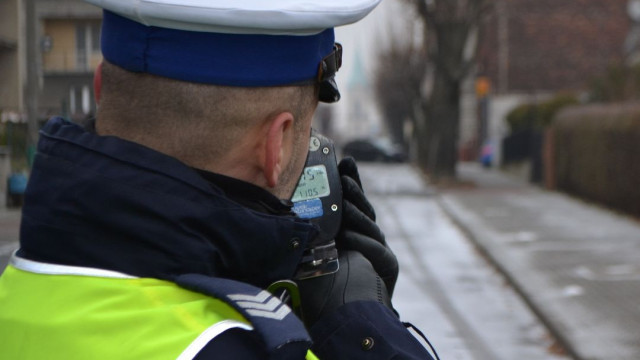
point(55, 269)
point(198, 344)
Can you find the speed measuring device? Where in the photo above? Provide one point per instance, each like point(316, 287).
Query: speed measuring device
point(318, 198)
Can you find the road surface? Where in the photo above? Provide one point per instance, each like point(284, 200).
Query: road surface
point(464, 306)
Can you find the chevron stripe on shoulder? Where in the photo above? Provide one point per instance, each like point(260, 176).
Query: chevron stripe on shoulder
point(261, 305)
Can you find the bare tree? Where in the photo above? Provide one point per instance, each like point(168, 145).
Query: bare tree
point(398, 78)
point(451, 35)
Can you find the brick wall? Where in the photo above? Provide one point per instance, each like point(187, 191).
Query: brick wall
point(552, 45)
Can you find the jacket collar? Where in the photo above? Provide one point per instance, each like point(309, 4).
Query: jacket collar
point(248, 195)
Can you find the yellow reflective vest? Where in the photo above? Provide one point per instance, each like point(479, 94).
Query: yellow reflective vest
point(63, 312)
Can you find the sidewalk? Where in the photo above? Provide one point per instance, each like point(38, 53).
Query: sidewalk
point(577, 265)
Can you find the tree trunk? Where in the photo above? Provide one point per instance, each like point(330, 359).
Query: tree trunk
point(451, 34)
point(442, 108)
point(420, 142)
point(438, 138)
point(442, 123)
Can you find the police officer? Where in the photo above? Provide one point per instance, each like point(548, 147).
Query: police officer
point(154, 232)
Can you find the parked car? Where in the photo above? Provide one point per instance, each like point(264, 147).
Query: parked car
point(373, 150)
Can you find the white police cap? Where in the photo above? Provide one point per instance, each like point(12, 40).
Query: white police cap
point(273, 17)
point(231, 42)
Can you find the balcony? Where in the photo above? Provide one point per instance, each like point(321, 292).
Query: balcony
point(70, 62)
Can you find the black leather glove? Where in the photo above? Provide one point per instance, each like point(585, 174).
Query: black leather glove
point(355, 280)
point(358, 230)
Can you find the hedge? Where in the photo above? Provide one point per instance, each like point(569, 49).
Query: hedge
point(537, 116)
point(597, 154)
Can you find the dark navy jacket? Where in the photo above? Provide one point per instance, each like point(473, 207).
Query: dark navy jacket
point(104, 202)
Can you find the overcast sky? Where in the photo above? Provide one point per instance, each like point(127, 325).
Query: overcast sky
point(370, 35)
point(367, 38)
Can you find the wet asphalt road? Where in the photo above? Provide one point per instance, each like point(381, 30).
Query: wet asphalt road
point(446, 288)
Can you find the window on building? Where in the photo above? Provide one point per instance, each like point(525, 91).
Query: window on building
point(72, 100)
point(86, 100)
point(80, 100)
point(95, 37)
point(87, 43)
point(82, 60)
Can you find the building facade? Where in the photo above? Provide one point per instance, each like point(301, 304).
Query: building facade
point(70, 51)
point(12, 64)
point(12, 82)
point(533, 49)
point(59, 65)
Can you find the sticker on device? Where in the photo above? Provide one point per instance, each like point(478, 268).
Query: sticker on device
point(308, 209)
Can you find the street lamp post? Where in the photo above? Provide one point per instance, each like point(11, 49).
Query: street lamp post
point(33, 78)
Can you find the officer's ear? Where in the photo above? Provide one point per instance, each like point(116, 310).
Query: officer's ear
point(278, 147)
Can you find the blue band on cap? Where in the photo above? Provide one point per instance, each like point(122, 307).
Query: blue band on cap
point(213, 58)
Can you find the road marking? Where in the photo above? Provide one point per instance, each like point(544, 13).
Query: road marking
point(7, 249)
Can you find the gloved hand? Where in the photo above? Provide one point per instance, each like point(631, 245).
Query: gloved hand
point(358, 230)
point(355, 280)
